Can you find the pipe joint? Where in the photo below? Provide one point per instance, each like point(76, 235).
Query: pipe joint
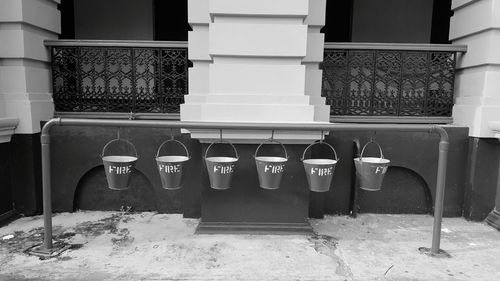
point(444, 145)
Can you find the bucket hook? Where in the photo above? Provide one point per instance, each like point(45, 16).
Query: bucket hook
point(372, 137)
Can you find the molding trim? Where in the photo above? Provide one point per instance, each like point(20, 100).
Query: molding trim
point(397, 46)
point(495, 127)
point(116, 43)
point(391, 119)
point(7, 127)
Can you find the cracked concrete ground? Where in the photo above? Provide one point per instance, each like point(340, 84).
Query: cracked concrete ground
point(151, 246)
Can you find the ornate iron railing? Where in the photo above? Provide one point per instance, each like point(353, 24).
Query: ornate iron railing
point(360, 80)
point(119, 76)
point(398, 80)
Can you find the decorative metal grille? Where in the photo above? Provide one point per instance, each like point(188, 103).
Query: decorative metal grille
point(383, 82)
point(119, 79)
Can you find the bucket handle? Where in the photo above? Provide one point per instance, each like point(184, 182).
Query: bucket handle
point(315, 143)
point(271, 140)
point(172, 140)
point(232, 145)
point(363, 150)
point(116, 140)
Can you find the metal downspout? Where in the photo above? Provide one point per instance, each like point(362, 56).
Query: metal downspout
point(444, 144)
point(46, 183)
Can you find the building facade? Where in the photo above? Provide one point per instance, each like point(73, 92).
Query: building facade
point(251, 61)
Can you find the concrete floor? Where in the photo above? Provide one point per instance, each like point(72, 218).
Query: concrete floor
point(150, 246)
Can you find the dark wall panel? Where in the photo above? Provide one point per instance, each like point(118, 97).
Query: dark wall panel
point(26, 173)
point(78, 179)
point(415, 155)
point(5, 183)
point(79, 182)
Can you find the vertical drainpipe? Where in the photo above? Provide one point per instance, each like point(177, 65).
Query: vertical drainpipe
point(47, 195)
point(444, 144)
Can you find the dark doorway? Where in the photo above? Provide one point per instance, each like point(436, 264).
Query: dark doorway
point(67, 9)
point(388, 21)
point(441, 14)
point(338, 21)
point(170, 20)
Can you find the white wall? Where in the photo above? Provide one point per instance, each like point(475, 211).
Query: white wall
point(25, 90)
point(114, 19)
point(392, 21)
point(477, 83)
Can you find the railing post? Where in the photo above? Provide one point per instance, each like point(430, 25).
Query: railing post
point(439, 197)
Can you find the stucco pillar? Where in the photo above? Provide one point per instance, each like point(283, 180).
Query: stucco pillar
point(255, 61)
point(477, 25)
point(25, 85)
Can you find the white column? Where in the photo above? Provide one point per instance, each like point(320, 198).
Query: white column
point(255, 61)
point(477, 86)
point(25, 85)
point(315, 20)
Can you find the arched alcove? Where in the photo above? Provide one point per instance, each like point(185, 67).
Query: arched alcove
point(92, 193)
point(403, 191)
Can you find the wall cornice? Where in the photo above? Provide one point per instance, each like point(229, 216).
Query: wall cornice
point(7, 127)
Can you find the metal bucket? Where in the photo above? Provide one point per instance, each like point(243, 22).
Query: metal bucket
point(170, 167)
point(319, 171)
point(370, 171)
point(221, 168)
point(270, 168)
point(118, 168)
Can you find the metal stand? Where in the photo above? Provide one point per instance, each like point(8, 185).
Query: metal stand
point(46, 171)
point(440, 253)
point(40, 250)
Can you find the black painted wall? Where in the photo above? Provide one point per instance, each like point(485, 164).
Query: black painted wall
point(411, 179)
point(79, 182)
point(247, 202)
point(26, 174)
point(5, 183)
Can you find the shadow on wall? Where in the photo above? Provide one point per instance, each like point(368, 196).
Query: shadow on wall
point(92, 193)
point(403, 191)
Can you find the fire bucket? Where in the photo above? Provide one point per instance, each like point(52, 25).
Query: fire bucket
point(170, 166)
point(221, 168)
point(370, 171)
point(118, 168)
point(270, 168)
point(319, 171)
